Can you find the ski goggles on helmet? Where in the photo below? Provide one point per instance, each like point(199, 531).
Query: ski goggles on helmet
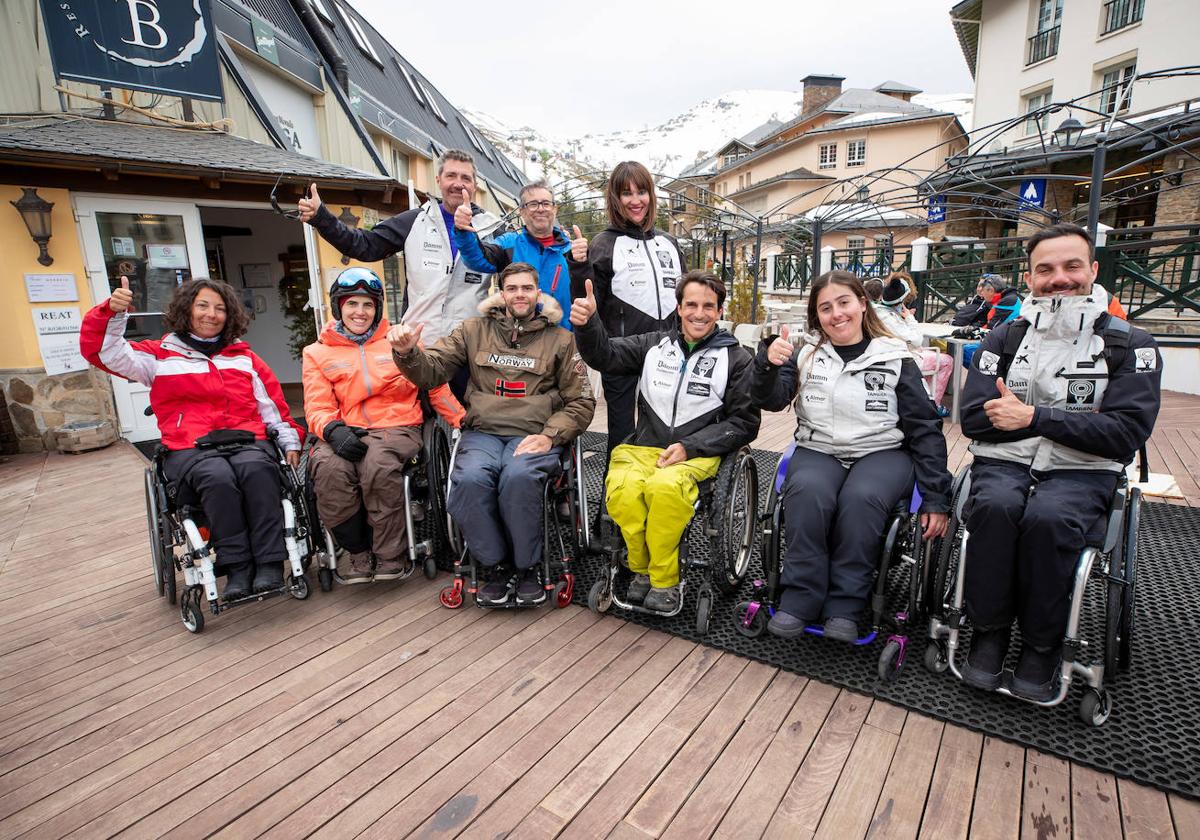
point(357, 279)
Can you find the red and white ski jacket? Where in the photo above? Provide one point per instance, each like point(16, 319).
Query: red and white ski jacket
point(190, 393)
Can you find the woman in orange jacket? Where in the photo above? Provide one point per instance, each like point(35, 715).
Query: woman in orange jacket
point(367, 418)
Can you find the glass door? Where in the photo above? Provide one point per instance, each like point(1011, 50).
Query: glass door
point(155, 244)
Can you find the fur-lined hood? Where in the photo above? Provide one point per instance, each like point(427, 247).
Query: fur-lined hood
point(547, 308)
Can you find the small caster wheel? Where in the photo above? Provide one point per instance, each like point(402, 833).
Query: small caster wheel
point(600, 596)
point(891, 661)
point(451, 597)
point(564, 590)
point(750, 619)
point(1095, 707)
point(168, 572)
point(298, 587)
point(189, 608)
point(430, 568)
point(935, 658)
point(325, 578)
point(703, 612)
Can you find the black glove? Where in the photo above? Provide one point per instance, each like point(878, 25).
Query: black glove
point(345, 442)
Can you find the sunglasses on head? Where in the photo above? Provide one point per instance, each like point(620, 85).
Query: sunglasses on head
point(287, 214)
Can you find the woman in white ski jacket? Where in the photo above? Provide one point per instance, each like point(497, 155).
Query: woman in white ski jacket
point(865, 427)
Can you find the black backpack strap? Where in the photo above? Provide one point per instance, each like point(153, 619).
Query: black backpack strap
point(1116, 333)
point(1012, 343)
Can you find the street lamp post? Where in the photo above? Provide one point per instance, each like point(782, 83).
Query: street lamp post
point(1068, 135)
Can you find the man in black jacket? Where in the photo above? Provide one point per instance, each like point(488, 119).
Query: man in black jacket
point(974, 313)
point(1056, 403)
point(693, 409)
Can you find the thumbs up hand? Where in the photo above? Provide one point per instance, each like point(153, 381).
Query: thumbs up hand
point(404, 338)
point(310, 204)
point(122, 298)
point(463, 218)
point(1007, 413)
point(579, 245)
point(779, 352)
point(582, 309)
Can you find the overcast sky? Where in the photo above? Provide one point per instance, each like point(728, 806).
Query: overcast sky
point(570, 68)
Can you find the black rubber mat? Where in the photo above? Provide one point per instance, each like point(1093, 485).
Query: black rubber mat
point(1153, 735)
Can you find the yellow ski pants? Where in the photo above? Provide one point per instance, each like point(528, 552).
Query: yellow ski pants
point(652, 506)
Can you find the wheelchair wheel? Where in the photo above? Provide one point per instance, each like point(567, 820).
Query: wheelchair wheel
point(1119, 604)
point(936, 659)
point(703, 612)
point(190, 610)
point(735, 508)
point(757, 624)
point(298, 587)
point(451, 596)
point(564, 591)
point(947, 557)
point(430, 567)
point(154, 527)
point(325, 578)
point(600, 595)
point(1095, 707)
point(168, 573)
point(891, 660)
point(436, 448)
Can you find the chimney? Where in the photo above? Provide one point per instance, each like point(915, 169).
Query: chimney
point(819, 91)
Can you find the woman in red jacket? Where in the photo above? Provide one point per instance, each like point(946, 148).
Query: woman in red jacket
point(208, 388)
point(368, 420)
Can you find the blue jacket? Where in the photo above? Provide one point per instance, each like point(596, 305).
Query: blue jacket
point(554, 277)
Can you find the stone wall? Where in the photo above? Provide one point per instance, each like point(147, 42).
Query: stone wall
point(38, 404)
point(1179, 205)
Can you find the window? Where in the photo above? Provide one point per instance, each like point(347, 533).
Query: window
point(433, 104)
point(1043, 43)
point(827, 155)
point(399, 165)
point(319, 5)
point(748, 178)
point(470, 134)
point(1116, 88)
point(360, 36)
point(1035, 124)
point(1121, 13)
point(855, 246)
point(416, 91)
point(856, 152)
point(741, 182)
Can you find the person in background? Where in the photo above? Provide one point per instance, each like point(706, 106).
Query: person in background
point(634, 269)
point(894, 300)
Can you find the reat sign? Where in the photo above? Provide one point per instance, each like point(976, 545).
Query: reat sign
point(165, 46)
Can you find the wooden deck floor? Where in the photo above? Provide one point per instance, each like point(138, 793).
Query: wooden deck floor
point(372, 711)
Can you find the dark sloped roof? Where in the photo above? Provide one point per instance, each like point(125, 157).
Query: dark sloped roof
point(389, 90)
point(896, 87)
point(130, 146)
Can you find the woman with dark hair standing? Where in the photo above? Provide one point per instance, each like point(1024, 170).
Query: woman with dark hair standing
point(634, 269)
point(214, 401)
point(865, 427)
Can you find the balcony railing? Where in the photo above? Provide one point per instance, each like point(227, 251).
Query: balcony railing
point(1121, 13)
point(1042, 46)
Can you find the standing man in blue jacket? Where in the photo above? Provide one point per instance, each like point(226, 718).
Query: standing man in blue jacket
point(540, 243)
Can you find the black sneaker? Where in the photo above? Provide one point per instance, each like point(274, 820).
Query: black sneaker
point(985, 661)
point(841, 629)
point(268, 577)
point(638, 589)
point(237, 583)
point(785, 625)
point(496, 591)
point(530, 591)
point(1037, 673)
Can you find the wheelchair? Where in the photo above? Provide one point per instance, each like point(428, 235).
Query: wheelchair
point(179, 541)
point(1110, 560)
point(424, 476)
point(903, 546)
point(725, 512)
point(558, 576)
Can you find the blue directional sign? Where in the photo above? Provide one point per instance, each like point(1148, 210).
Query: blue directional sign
point(1033, 194)
point(937, 209)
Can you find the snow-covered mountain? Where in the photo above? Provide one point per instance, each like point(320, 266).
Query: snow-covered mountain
point(667, 148)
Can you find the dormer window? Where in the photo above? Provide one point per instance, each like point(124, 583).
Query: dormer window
point(360, 36)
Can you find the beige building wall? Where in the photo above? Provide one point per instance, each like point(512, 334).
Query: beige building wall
point(1167, 36)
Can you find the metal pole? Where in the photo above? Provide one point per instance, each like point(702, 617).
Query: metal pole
point(724, 249)
point(1097, 185)
point(756, 274)
point(816, 250)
